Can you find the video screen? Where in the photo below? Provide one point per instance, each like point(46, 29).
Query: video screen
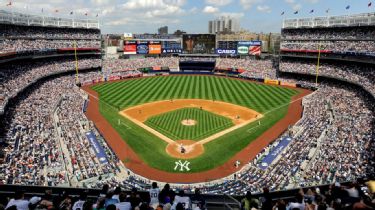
point(199, 43)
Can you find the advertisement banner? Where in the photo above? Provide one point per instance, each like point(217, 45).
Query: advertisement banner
point(289, 84)
point(254, 50)
point(226, 51)
point(142, 49)
point(98, 149)
point(271, 81)
point(250, 43)
point(243, 50)
point(171, 50)
point(154, 49)
point(130, 49)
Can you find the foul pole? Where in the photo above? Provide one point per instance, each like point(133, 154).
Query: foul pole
point(318, 65)
point(75, 55)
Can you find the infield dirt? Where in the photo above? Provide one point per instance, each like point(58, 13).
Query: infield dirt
point(239, 115)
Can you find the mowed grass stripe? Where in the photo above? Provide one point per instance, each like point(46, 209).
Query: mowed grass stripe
point(259, 97)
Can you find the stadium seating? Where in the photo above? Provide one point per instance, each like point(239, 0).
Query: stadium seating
point(47, 137)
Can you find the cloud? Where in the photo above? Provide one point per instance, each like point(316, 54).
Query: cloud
point(247, 4)
point(100, 2)
point(297, 7)
point(264, 8)
point(312, 1)
point(294, 5)
point(218, 3)
point(210, 9)
point(236, 15)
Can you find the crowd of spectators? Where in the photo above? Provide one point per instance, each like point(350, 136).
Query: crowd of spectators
point(354, 195)
point(118, 65)
point(30, 38)
point(19, 45)
point(109, 199)
point(337, 46)
point(363, 75)
point(81, 159)
point(337, 33)
point(252, 68)
point(39, 32)
point(15, 77)
point(337, 39)
point(46, 137)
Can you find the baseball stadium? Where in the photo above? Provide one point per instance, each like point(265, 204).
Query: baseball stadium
point(229, 119)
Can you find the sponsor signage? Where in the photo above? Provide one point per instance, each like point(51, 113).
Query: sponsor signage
point(171, 50)
point(130, 49)
point(226, 51)
point(243, 50)
point(250, 43)
point(130, 42)
point(154, 49)
point(155, 42)
point(142, 49)
point(142, 42)
point(254, 50)
point(98, 149)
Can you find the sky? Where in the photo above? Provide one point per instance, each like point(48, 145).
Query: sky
point(192, 16)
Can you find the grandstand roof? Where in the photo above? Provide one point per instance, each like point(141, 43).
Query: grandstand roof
point(17, 18)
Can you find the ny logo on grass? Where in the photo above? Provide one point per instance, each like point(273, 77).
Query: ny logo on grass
point(183, 165)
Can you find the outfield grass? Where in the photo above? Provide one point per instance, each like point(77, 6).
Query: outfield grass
point(271, 101)
point(170, 125)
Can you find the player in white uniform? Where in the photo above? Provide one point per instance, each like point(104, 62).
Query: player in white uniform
point(183, 199)
point(154, 195)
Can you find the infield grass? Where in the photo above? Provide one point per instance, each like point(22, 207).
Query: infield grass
point(271, 101)
point(207, 124)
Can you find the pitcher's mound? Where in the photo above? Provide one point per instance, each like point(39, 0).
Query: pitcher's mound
point(184, 149)
point(189, 122)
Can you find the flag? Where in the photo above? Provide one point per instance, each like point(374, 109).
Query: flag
point(71, 13)
point(327, 11)
point(296, 12)
point(312, 11)
point(347, 7)
point(9, 4)
point(369, 4)
point(282, 13)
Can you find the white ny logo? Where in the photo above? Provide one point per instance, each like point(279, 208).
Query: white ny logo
point(182, 165)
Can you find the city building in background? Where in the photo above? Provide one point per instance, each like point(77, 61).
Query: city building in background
point(224, 25)
point(163, 30)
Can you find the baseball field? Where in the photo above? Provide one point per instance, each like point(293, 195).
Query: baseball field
point(148, 133)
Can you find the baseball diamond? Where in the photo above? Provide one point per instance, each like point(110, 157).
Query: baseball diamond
point(271, 102)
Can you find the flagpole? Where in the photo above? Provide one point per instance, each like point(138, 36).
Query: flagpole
point(318, 65)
